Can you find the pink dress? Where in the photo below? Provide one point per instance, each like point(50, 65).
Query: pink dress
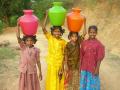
point(28, 70)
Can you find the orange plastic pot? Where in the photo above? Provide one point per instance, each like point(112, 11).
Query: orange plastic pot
point(75, 20)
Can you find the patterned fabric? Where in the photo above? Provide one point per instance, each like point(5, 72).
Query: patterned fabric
point(54, 62)
point(72, 52)
point(89, 82)
point(29, 81)
point(73, 80)
point(90, 53)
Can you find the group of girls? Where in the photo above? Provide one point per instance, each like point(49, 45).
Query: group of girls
point(72, 65)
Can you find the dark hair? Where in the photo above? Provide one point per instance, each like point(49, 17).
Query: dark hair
point(29, 36)
point(93, 27)
point(57, 27)
point(71, 33)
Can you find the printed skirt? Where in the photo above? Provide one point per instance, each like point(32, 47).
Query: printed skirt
point(88, 81)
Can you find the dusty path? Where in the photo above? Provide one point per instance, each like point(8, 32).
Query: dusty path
point(109, 72)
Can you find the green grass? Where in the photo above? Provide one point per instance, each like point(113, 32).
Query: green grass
point(7, 56)
point(7, 53)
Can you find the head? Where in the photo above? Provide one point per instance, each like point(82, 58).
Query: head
point(92, 31)
point(29, 40)
point(73, 36)
point(57, 31)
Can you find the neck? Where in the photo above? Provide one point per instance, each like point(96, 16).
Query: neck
point(57, 37)
point(72, 42)
point(92, 38)
point(30, 46)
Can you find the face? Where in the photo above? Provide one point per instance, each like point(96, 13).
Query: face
point(92, 33)
point(73, 37)
point(29, 42)
point(57, 33)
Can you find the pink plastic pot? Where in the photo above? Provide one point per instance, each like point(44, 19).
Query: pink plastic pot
point(28, 23)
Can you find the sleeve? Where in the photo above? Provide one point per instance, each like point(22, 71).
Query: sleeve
point(48, 35)
point(101, 52)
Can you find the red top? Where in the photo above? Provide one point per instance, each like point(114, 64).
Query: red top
point(90, 53)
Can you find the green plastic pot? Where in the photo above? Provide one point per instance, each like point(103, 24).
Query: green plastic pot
point(57, 14)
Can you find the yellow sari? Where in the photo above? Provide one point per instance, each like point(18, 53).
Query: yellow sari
point(54, 62)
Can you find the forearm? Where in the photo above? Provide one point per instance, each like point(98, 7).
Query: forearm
point(84, 31)
point(18, 34)
point(44, 24)
point(39, 66)
point(98, 64)
point(97, 68)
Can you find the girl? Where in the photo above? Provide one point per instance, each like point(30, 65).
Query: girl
point(91, 54)
point(56, 47)
point(29, 58)
point(71, 57)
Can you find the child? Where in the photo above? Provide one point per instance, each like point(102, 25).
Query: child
point(56, 45)
point(91, 54)
point(29, 58)
point(72, 52)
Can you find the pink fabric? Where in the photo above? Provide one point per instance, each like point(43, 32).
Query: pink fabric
point(28, 70)
point(91, 51)
point(29, 57)
point(29, 82)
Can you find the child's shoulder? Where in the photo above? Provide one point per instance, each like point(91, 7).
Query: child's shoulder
point(68, 43)
point(63, 40)
point(84, 41)
point(99, 42)
point(37, 49)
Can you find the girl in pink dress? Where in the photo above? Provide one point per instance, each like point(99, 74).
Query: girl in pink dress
point(29, 60)
point(91, 54)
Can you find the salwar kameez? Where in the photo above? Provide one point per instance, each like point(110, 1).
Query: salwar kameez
point(91, 52)
point(54, 62)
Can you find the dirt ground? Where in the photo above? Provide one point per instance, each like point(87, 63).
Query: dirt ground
point(109, 71)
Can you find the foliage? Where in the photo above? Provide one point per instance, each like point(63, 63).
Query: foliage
point(1, 26)
point(9, 55)
point(13, 20)
point(40, 6)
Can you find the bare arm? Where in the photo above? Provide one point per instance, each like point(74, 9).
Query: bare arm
point(81, 38)
point(39, 67)
point(101, 54)
point(44, 23)
point(84, 31)
point(97, 68)
point(18, 33)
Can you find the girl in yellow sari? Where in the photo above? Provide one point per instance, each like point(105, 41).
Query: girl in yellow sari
point(56, 45)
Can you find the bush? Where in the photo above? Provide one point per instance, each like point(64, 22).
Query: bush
point(1, 26)
point(7, 53)
point(13, 20)
point(40, 6)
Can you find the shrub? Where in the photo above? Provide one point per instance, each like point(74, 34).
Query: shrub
point(13, 20)
point(1, 26)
